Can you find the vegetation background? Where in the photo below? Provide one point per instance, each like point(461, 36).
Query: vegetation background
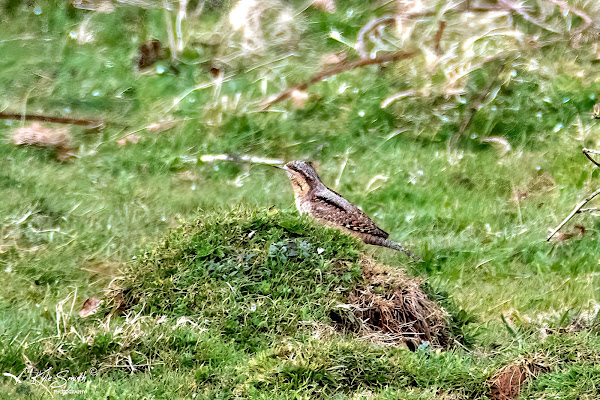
point(467, 149)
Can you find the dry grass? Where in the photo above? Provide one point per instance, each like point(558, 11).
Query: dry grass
point(394, 309)
point(508, 382)
point(36, 134)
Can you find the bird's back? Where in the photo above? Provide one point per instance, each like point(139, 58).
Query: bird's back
point(331, 207)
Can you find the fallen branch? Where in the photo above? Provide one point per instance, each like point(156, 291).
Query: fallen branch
point(91, 123)
point(338, 69)
point(241, 158)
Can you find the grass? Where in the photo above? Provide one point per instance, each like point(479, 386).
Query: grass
point(68, 229)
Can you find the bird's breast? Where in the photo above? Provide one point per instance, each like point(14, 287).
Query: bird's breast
point(303, 205)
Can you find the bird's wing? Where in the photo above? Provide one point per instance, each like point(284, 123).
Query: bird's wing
point(336, 209)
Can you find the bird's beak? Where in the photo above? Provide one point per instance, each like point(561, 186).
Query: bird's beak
point(279, 166)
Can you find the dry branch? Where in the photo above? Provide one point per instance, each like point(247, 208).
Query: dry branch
point(90, 123)
point(576, 210)
point(241, 158)
point(338, 69)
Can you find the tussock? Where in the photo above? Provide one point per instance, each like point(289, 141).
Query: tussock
point(393, 309)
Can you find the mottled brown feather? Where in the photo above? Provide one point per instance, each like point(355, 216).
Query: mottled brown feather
point(325, 205)
point(342, 212)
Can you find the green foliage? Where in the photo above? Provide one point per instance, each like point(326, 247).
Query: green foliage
point(253, 275)
point(217, 311)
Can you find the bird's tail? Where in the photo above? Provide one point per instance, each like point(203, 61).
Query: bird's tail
point(379, 241)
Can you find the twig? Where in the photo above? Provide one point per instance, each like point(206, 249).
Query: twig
point(576, 210)
point(438, 37)
point(241, 158)
point(591, 209)
point(587, 21)
point(91, 123)
point(342, 67)
point(587, 153)
point(579, 209)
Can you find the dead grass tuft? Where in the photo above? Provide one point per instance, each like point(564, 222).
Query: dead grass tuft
point(394, 309)
point(508, 382)
point(36, 134)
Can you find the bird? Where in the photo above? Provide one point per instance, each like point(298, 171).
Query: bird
point(330, 208)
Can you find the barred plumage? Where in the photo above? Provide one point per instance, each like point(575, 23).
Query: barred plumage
point(325, 205)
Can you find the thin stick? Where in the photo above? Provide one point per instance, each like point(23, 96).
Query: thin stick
point(587, 153)
point(575, 211)
point(591, 209)
point(241, 158)
point(92, 123)
point(438, 37)
point(337, 69)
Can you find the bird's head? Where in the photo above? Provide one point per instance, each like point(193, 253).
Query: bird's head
point(302, 176)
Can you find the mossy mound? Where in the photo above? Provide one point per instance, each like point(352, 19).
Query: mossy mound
point(250, 273)
point(258, 275)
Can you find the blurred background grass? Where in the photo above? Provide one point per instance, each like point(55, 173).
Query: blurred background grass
point(477, 213)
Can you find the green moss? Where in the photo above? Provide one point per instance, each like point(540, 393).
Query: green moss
point(253, 274)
